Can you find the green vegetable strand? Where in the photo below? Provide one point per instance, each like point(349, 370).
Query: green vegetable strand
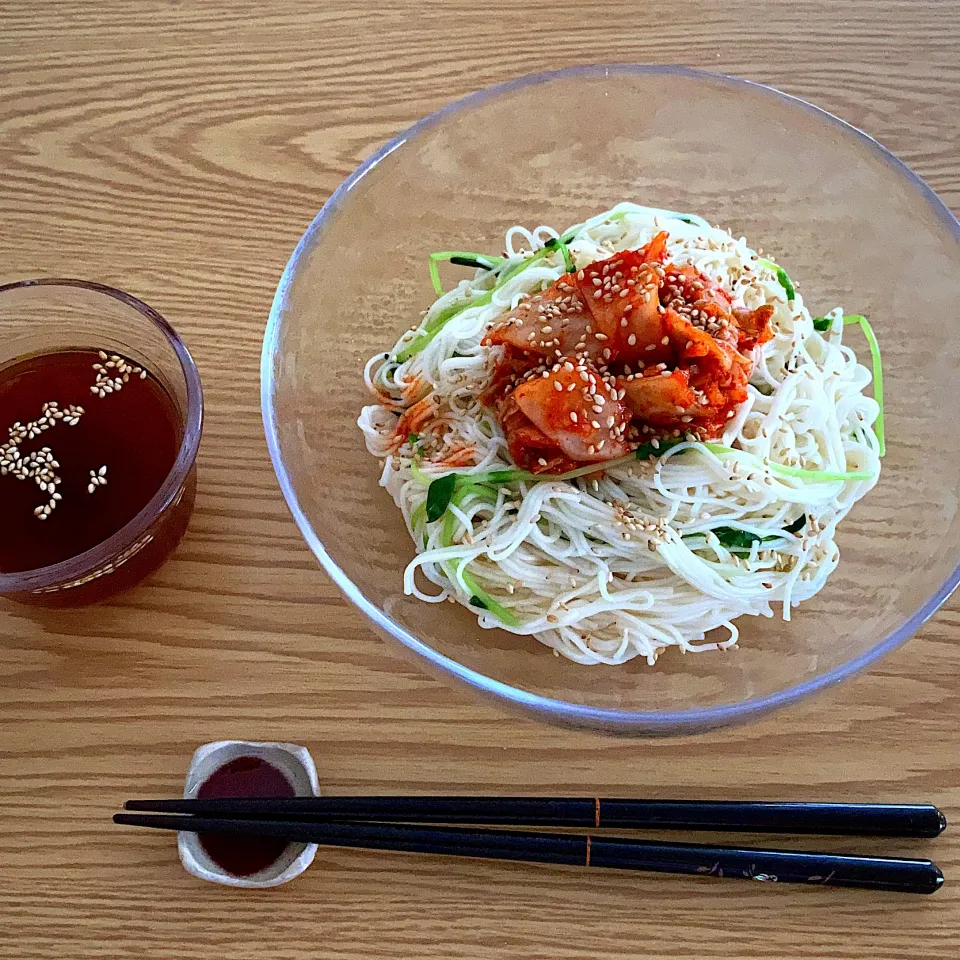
point(567, 259)
point(782, 277)
point(647, 450)
point(797, 524)
point(433, 326)
point(479, 596)
point(463, 258)
point(482, 598)
point(439, 494)
point(814, 476)
point(496, 477)
point(871, 338)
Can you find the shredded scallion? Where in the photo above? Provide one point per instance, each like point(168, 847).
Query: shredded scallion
point(871, 338)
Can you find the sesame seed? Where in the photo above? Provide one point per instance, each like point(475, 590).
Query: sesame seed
point(573, 416)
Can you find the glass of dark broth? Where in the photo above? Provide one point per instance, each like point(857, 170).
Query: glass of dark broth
point(101, 412)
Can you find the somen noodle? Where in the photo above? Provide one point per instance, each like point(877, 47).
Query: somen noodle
point(658, 547)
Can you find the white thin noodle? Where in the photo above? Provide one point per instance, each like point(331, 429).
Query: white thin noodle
point(565, 558)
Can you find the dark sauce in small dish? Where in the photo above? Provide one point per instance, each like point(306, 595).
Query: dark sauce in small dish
point(244, 777)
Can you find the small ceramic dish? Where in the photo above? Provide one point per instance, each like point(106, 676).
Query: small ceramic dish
point(295, 763)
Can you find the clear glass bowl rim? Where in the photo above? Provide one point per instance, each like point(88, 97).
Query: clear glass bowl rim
point(560, 711)
point(66, 570)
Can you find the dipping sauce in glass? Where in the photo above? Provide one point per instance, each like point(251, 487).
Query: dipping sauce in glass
point(86, 440)
point(244, 777)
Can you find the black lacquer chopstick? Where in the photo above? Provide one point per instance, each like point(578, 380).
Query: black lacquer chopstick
point(841, 819)
point(783, 866)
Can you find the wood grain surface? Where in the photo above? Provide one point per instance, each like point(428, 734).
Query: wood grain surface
point(178, 150)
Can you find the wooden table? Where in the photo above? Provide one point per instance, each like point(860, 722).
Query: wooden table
point(177, 149)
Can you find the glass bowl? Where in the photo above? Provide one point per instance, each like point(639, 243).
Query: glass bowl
point(51, 315)
point(849, 222)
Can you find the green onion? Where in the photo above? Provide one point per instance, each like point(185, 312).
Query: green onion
point(439, 494)
point(797, 524)
point(448, 313)
point(419, 475)
point(822, 324)
point(463, 258)
point(877, 373)
point(740, 541)
point(733, 537)
point(486, 601)
point(479, 596)
point(460, 493)
point(567, 259)
point(412, 438)
point(497, 477)
point(815, 476)
point(434, 326)
point(647, 450)
point(448, 527)
point(782, 277)
point(418, 519)
point(437, 323)
point(479, 261)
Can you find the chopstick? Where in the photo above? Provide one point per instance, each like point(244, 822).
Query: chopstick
point(839, 819)
point(783, 866)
